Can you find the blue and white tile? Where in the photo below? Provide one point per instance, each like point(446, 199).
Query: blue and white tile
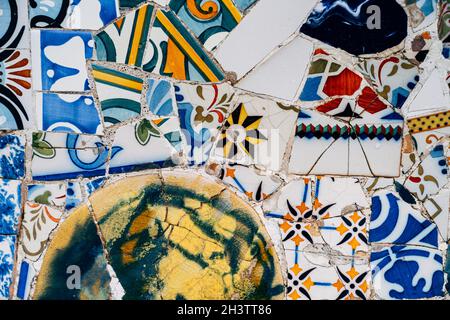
point(74, 195)
point(92, 185)
point(407, 272)
point(14, 25)
point(7, 251)
point(139, 146)
point(394, 221)
point(10, 205)
point(52, 194)
point(58, 156)
point(59, 59)
point(12, 156)
point(67, 113)
point(73, 14)
point(161, 97)
point(25, 277)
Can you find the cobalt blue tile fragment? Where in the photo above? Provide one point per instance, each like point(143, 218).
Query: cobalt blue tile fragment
point(352, 25)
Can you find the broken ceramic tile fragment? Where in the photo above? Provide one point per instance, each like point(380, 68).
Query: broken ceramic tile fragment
point(407, 272)
point(59, 59)
point(58, 156)
point(365, 27)
point(16, 105)
point(139, 146)
point(12, 156)
point(119, 94)
point(396, 222)
point(67, 113)
point(81, 14)
point(10, 206)
point(7, 251)
point(53, 194)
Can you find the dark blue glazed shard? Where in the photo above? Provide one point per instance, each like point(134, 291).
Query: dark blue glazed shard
point(358, 26)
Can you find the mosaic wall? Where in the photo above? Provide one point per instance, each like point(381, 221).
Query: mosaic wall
point(224, 149)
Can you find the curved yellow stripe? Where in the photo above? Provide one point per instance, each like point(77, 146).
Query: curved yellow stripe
point(233, 10)
point(186, 46)
point(107, 77)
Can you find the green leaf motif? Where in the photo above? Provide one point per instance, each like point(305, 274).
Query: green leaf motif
point(42, 148)
point(144, 130)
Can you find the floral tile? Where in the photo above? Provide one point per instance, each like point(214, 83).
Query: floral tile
point(58, 156)
point(7, 249)
point(12, 156)
point(202, 110)
point(161, 97)
point(67, 113)
point(16, 111)
point(257, 132)
point(119, 94)
point(59, 59)
point(359, 33)
point(172, 51)
point(393, 78)
point(209, 22)
point(346, 235)
point(81, 14)
point(38, 222)
point(53, 194)
point(14, 28)
point(394, 221)
point(407, 272)
point(123, 41)
point(312, 277)
point(430, 176)
point(293, 202)
point(10, 205)
point(255, 185)
point(134, 148)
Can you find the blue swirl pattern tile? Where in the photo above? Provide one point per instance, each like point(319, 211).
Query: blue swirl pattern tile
point(407, 272)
